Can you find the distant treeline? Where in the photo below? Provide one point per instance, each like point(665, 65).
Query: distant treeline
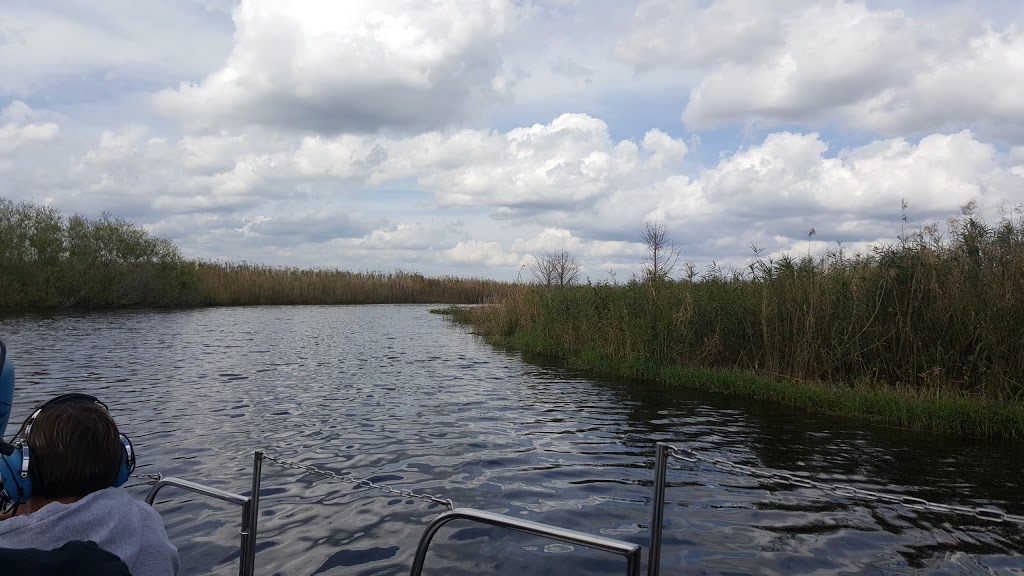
point(49, 260)
point(936, 315)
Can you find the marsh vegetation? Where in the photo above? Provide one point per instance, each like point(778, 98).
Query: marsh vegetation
point(927, 333)
point(49, 260)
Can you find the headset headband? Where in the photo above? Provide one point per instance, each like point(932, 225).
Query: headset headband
point(70, 397)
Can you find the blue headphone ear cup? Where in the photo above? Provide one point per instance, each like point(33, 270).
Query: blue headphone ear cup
point(16, 488)
point(127, 461)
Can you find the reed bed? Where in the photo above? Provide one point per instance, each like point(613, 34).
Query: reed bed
point(246, 284)
point(48, 260)
point(927, 333)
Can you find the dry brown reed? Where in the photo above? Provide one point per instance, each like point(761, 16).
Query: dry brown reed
point(248, 284)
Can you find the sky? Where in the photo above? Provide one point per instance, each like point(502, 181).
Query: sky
point(466, 137)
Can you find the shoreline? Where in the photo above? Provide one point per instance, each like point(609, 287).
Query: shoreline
point(943, 411)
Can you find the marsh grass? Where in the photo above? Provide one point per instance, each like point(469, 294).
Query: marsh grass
point(927, 333)
point(247, 284)
point(48, 260)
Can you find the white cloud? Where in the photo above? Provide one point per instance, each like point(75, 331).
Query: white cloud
point(486, 254)
point(415, 236)
point(772, 193)
point(354, 66)
point(491, 199)
point(565, 165)
point(694, 33)
point(17, 131)
point(831, 55)
point(888, 71)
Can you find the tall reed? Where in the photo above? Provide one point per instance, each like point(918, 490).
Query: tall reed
point(936, 315)
point(48, 260)
point(245, 284)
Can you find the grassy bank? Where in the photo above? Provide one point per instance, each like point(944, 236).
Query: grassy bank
point(927, 334)
point(49, 260)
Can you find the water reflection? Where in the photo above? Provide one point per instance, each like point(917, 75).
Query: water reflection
point(398, 395)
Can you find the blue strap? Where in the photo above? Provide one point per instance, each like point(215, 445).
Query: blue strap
point(6, 388)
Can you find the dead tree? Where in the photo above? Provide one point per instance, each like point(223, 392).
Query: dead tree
point(662, 253)
point(555, 268)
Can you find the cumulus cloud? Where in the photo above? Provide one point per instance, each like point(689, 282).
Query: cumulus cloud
point(565, 165)
point(17, 129)
point(409, 236)
point(772, 193)
point(484, 201)
point(354, 66)
point(477, 253)
point(888, 71)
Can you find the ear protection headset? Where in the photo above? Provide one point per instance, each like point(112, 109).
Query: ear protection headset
point(15, 459)
point(6, 387)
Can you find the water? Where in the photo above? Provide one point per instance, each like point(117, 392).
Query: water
point(404, 398)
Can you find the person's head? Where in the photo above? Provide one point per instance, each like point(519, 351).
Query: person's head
point(76, 448)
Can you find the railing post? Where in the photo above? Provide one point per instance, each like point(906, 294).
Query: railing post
point(658, 509)
point(250, 517)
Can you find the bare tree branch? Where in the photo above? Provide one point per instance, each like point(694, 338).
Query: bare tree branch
point(555, 268)
point(662, 253)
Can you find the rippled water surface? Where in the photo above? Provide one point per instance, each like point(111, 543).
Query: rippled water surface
point(404, 398)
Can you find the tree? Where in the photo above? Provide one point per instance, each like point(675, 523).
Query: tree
point(555, 268)
point(662, 253)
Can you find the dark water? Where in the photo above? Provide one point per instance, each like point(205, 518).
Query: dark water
point(404, 398)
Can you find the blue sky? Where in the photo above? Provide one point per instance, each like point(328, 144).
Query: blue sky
point(464, 137)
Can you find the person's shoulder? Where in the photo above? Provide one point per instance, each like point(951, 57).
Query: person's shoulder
point(127, 504)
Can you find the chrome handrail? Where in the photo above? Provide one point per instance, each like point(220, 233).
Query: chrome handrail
point(249, 504)
point(197, 488)
point(630, 551)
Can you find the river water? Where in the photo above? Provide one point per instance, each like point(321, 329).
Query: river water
point(404, 398)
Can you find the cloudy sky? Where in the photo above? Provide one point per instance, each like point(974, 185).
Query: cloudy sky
point(463, 136)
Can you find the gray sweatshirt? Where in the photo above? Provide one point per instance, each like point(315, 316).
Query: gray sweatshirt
point(111, 518)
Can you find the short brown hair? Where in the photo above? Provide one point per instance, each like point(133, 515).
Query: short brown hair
point(75, 450)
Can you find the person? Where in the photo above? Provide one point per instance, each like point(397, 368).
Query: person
point(77, 460)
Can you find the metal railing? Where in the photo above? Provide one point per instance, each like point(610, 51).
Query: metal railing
point(630, 551)
point(249, 504)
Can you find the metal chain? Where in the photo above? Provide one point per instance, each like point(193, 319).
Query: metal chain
point(361, 483)
point(911, 502)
